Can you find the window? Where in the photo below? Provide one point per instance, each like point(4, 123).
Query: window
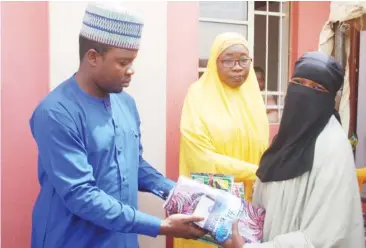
point(271, 32)
point(263, 23)
point(222, 16)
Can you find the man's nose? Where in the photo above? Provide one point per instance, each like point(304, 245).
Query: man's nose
point(130, 71)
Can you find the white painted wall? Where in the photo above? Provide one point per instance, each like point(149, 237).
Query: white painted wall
point(149, 89)
point(148, 85)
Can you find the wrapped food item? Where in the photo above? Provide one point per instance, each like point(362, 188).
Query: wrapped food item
point(218, 181)
point(219, 209)
point(237, 189)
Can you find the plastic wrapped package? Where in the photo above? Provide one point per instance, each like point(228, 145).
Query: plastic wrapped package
point(219, 208)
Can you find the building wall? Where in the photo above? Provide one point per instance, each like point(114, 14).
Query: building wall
point(24, 80)
point(307, 19)
point(182, 70)
point(39, 50)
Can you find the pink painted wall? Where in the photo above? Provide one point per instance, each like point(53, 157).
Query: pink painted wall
point(24, 67)
point(182, 70)
point(307, 19)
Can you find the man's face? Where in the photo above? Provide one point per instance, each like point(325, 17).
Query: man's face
point(113, 70)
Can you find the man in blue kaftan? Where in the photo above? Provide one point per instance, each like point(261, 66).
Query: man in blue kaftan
point(90, 163)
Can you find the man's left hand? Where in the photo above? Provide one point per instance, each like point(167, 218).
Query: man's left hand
point(236, 240)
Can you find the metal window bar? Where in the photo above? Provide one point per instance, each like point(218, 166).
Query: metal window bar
point(250, 28)
point(275, 93)
point(250, 34)
point(250, 31)
point(269, 13)
point(266, 53)
point(219, 20)
point(275, 107)
point(279, 92)
point(280, 73)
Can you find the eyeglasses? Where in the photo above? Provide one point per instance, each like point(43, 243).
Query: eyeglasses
point(243, 62)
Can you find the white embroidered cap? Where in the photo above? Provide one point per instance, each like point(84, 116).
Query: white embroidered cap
point(111, 24)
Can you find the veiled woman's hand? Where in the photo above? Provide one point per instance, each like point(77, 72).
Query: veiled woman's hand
point(236, 240)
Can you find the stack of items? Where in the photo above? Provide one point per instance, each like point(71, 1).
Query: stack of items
point(220, 181)
point(219, 209)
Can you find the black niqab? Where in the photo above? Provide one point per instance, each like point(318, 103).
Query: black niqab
point(306, 113)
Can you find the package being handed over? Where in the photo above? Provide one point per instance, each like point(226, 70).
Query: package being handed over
point(219, 208)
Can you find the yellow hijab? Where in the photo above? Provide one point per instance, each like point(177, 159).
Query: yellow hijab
point(223, 130)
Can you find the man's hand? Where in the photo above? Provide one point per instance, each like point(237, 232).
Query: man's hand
point(236, 240)
point(182, 226)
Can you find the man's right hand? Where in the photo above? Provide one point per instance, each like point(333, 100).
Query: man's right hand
point(182, 226)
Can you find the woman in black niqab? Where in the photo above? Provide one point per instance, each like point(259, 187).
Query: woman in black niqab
point(309, 104)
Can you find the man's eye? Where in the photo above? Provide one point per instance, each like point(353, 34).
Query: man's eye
point(125, 62)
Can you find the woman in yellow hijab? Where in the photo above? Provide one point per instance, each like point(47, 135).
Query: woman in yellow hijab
point(224, 126)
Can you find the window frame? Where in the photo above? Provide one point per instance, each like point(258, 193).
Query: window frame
point(283, 66)
point(283, 70)
point(248, 23)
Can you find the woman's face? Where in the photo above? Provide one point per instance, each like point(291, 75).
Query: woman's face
point(233, 65)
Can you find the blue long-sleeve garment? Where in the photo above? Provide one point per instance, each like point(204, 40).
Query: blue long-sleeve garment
point(90, 169)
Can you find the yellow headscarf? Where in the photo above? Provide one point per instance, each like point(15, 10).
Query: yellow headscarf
point(223, 130)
